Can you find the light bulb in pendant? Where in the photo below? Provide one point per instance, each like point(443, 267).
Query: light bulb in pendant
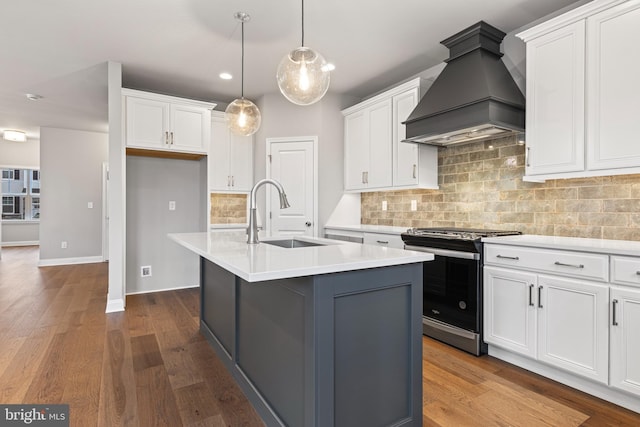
point(242, 117)
point(303, 76)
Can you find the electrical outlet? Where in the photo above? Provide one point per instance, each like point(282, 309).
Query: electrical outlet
point(145, 271)
point(90, 205)
point(384, 205)
point(63, 245)
point(172, 205)
point(414, 205)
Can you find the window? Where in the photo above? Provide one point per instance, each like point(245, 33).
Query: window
point(20, 194)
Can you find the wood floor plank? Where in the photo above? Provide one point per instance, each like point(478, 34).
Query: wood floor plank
point(145, 352)
point(196, 404)
point(156, 400)
point(177, 359)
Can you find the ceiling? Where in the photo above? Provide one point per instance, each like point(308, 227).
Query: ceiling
point(58, 49)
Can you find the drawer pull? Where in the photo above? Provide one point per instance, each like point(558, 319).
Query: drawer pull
point(383, 242)
point(540, 297)
point(569, 265)
point(613, 313)
point(531, 295)
point(515, 258)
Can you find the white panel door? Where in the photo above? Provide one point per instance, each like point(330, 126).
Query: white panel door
point(356, 150)
point(190, 129)
point(147, 123)
point(625, 339)
point(292, 164)
point(613, 87)
point(405, 159)
point(555, 101)
point(509, 310)
point(573, 326)
point(379, 173)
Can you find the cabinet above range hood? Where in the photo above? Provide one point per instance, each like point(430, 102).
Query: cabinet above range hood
point(473, 98)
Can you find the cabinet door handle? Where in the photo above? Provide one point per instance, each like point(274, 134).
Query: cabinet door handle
point(166, 137)
point(414, 171)
point(228, 181)
point(540, 297)
point(366, 176)
point(233, 181)
point(613, 312)
point(528, 153)
point(515, 258)
point(171, 138)
point(569, 265)
point(531, 295)
point(362, 179)
point(383, 242)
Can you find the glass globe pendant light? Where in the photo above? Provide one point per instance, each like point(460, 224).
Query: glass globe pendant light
point(303, 74)
point(242, 116)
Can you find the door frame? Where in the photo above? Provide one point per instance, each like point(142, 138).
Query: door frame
point(314, 141)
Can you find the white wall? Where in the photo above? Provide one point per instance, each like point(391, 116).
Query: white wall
point(281, 118)
point(71, 166)
point(151, 184)
point(20, 233)
point(20, 154)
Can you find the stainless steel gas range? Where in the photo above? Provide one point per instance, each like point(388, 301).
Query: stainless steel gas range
point(452, 295)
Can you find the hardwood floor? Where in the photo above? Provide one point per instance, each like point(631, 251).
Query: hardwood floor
point(149, 366)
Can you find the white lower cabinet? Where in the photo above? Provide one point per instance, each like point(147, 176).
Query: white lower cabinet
point(509, 310)
point(625, 339)
point(573, 326)
point(559, 321)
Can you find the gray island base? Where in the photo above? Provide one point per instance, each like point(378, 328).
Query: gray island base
point(341, 349)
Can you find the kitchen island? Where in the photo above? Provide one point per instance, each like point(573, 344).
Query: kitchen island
point(326, 335)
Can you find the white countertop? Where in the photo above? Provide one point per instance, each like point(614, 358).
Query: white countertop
point(256, 263)
point(612, 247)
point(384, 229)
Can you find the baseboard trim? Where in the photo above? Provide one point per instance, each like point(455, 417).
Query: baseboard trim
point(69, 261)
point(163, 290)
point(23, 243)
point(115, 305)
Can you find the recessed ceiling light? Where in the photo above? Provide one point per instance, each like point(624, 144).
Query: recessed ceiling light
point(15, 135)
point(226, 76)
point(33, 96)
point(328, 67)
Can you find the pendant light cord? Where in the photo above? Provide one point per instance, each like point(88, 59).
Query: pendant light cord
point(242, 65)
point(302, 45)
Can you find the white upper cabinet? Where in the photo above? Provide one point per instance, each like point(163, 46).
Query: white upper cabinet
point(166, 123)
point(414, 165)
point(613, 64)
point(375, 157)
point(367, 141)
point(582, 88)
point(230, 158)
point(555, 101)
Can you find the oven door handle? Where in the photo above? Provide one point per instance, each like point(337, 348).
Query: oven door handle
point(444, 252)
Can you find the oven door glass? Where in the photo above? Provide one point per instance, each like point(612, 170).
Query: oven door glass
point(451, 287)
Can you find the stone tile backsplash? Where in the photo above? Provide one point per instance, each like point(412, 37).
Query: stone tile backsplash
point(481, 187)
point(228, 208)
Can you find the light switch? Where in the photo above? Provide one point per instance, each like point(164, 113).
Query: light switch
point(90, 205)
point(172, 205)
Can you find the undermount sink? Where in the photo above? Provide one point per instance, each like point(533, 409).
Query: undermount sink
point(292, 243)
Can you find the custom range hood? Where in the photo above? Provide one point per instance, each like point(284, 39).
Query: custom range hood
point(473, 98)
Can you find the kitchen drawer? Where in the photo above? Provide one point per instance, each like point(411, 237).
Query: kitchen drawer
point(565, 263)
point(389, 240)
point(625, 270)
